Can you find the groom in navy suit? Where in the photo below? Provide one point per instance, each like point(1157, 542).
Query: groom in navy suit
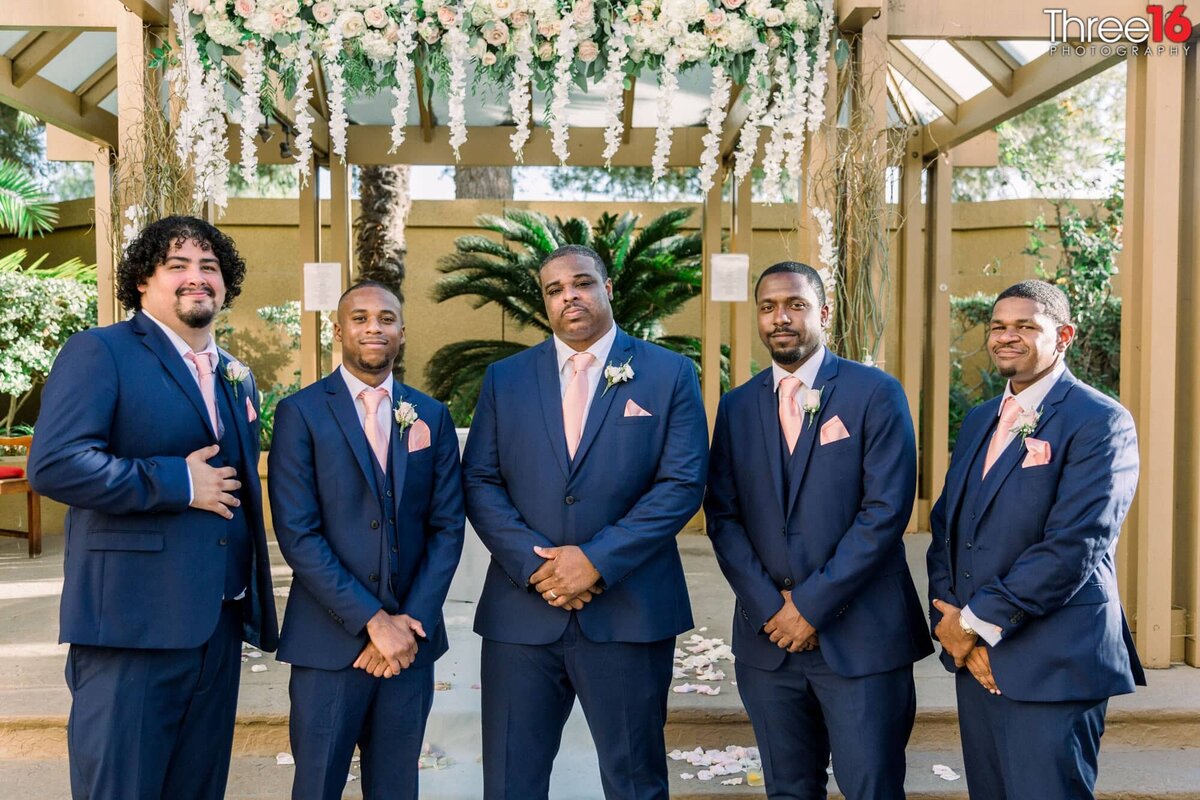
point(586, 457)
point(366, 495)
point(810, 487)
point(149, 432)
point(1022, 582)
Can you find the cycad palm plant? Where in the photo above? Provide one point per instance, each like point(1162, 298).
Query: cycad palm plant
point(654, 272)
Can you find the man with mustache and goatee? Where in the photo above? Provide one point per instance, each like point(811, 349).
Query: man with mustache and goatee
point(149, 432)
point(366, 495)
point(810, 486)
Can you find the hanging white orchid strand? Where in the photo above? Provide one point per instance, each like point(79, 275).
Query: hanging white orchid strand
point(613, 88)
point(406, 43)
point(303, 112)
point(254, 66)
point(456, 43)
point(757, 100)
point(519, 97)
point(668, 84)
point(717, 101)
point(564, 50)
point(334, 74)
point(815, 107)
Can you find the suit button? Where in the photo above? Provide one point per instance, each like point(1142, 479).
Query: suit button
point(389, 492)
point(391, 522)
point(222, 541)
point(783, 531)
point(374, 577)
point(968, 545)
point(394, 550)
point(570, 500)
point(966, 573)
point(972, 515)
point(374, 524)
point(787, 583)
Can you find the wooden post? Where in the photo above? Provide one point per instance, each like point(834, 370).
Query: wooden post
point(741, 315)
point(1190, 343)
point(935, 410)
point(106, 306)
point(911, 311)
point(310, 250)
point(341, 230)
point(710, 311)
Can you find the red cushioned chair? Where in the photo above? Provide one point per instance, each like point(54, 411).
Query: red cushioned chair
point(13, 481)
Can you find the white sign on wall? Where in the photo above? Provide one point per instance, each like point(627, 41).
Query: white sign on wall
point(322, 285)
point(730, 278)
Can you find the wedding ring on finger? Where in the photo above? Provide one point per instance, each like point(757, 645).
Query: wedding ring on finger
point(553, 595)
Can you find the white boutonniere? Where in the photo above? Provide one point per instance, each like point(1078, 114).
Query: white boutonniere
point(811, 403)
point(405, 413)
point(617, 373)
point(1027, 422)
point(236, 372)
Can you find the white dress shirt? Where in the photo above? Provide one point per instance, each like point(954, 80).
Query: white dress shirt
point(599, 350)
point(806, 372)
point(355, 386)
point(1029, 399)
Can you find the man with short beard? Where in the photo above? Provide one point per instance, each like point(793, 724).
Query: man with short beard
point(149, 432)
point(810, 486)
point(366, 496)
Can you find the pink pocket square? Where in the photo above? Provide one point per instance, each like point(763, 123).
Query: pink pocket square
point(632, 409)
point(834, 431)
point(1039, 452)
point(418, 436)
point(251, 414)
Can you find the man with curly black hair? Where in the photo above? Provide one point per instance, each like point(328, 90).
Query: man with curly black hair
point(149, 432)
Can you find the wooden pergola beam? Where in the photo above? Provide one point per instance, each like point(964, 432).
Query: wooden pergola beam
point(925, 80)
point(852, 15)
point(36, 50)
point(99, 85)
point(900, 102)
point(731, 130)
point(953, 19)
point(626, 109)
point(424, 108)
point(489, 147)
point(59, 15)
point(1038, 80)
point(55, 105)
point(155, 12)
point(991, 66)
point(1001, 53)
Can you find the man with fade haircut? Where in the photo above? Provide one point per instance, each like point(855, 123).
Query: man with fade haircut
point(149, 432)
point(810, 487)
point(585, 458)
point(366, 495)
point(1022, 581)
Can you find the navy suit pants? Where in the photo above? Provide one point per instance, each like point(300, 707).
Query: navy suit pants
point(154, 723)
point(335, 710)
point(529, 691)
point(804, 711)
point(1014, 750)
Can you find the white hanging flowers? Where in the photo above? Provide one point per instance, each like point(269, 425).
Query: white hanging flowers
point(335, 75)
point(717, 101)
point(613, 87)
point(815, 107)
point(406, 43)
point(564, 51)
point(825, 239)
point(758, 100)
point(519, 97)
point(254, 65)
point(668, 84)
point(777, 119)
point(456, 43)
point(303, 113)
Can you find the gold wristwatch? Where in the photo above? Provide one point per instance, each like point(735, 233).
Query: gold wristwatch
point(967, 629)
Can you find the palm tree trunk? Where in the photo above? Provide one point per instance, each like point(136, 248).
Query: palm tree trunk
point(483, 183)
point(385, 201)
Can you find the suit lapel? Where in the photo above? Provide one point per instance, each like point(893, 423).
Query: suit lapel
point(237, 405)
point(550, 393)
point(808, 432)
point(956, 480)
point(602, 401)
point(399, 445)
point(768, 415)
point(342, 407)
point(1016, 449)
point(161, 346)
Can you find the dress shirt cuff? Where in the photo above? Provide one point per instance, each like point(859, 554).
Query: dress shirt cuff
point(191, 489)
point(987, 631)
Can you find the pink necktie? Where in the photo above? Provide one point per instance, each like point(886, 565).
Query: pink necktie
point(790, 418)
point(371, 399)
point(204, 370)
point(575, 401)
point(1008, 418)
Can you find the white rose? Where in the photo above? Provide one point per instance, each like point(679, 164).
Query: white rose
point(295, 25)
point(588, 51)
point(289, 8)
point(720, 38)
point(549, 29)
point(757, 9)
point(446, 16)
point(376, 17)
point(502, 8)
point(376, 46)
point(773, 18)
point(732, 5)
point(352, 24)
point(323, 12)
point(478, 48)
point(714, 18)
point(243, 8)
point(679, 11)
point(545, 51)
point(584, 11)
point(519, 19)
point(674, 28)
point(429, 31)
point(489, 58)
point(496, 34)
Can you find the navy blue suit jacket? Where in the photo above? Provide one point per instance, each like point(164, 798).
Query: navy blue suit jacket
point(120, 414)
point(1042, 556)
point(836, 539)
point(327, 520)
point(634, 483)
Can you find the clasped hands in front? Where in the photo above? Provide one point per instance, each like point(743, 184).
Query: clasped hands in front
point(392, 646)
point(788, 628)
point(567, 579)
point(964, 647)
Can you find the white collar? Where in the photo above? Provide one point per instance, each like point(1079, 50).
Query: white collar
point(1034, 395)
point(807, 372)
point(356, 386)
point(179, 344)
point(599, 349)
